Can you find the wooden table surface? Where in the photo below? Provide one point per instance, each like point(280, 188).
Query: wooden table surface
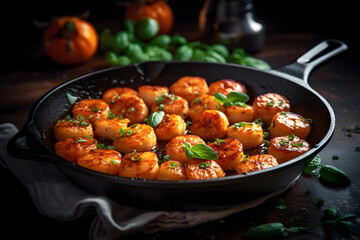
point(338, 82)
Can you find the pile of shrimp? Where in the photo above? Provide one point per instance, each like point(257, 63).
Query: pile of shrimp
point(192, 115)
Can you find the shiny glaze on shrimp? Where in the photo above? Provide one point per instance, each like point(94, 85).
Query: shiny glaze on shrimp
point(131, 107)
point(210, 124)
point(190, 87)
point(113, 94)
point(171, 170)
point(101, 160)
point(91, 109)
point(71, 127)
point(203, 169)
point(149, 93)
point(226, 86)
point(139, 165)
point(206, 102)
point(256, 163)
point(287, 123)
point(72, 148)
point(171, 104)
point(267, 105)
point(229, 151)
point(175, 149)
point(139, 137)
point(172, 125)
point(285, 148)
point(237, 114)
point(249, 134)
point(109, 128)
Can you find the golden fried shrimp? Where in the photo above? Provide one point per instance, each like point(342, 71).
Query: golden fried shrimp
point(267, 105)
point(113, 94)
point(190, 87)
point(139, 137)
point(172, 125)
point(171, 170)
point(287, 123)
point(101, 160)
point(229, 151)
point(285, 148)
point(226, 86)
point(131, 107)
point(109, 128)
point(205, 102)
point(175, 150)
point(91, 109)
point(139, 165)
point(237, 114)
point(256, 163)
point(149, 93)
point(71, 127)
point(203, 169)
point(249, 134)
point(171, 104)
point(72, 148)
point(210, 124)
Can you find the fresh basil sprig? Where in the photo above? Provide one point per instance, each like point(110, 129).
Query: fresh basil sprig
point(234, 98)
point(200, 151)
point(328, 173)
point(276, 230)
point(155, 118)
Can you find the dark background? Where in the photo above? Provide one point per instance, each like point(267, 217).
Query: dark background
point(331, 19)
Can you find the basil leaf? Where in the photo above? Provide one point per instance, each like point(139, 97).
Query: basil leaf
point(334, 175)
point(220, 98)
point(189, 154)
point(266, 231)
point(237, 97)
point(155, 118)
point(221, 49)
point(203, 151)
point(71, 98)
point(183, 53)
point(332, 213)
point(348, 227)
point(312, 165)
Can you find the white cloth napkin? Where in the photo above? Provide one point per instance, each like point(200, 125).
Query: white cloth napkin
point(56, 197)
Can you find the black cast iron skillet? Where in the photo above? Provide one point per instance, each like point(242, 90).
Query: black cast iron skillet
point(35, 140)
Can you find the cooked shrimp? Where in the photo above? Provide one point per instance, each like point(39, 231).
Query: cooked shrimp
point(91, 109)
point(203, 169)
point(226, 86)
point(237, 114)
point(190, 87)
point(285, 148)
point(206, 102)
point(175, 149)
point(109, 128)
point(131, 107)
point(139, 165)
point(139, 137)
point(149, 93)
point(229, 151)
point(267, 105)
point(249, 134)
point(171, 104)
point(71, 127)
point(287, 123)
point(172, 125)
point(113, 94)
point(72, 148)
point(171, 170)
point(101, 160)
point(210, 124)
point(256, 163)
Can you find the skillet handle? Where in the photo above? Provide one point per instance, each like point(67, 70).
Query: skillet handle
point(24, 145)
point(314, 58)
